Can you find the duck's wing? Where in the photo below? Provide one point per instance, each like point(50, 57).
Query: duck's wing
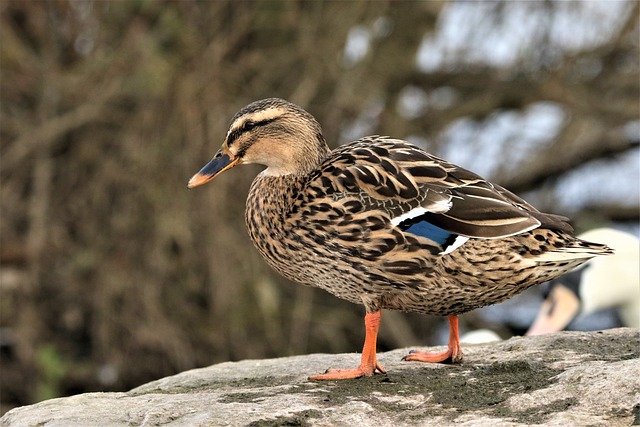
point(418, 189)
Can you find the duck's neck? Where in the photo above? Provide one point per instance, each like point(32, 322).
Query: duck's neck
point(270, 199)
point(303, 161)
point(269, 204)
point(312, 157)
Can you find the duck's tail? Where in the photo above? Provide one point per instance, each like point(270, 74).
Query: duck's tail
point(572, 248)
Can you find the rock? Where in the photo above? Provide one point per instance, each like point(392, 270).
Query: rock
point(569, 378)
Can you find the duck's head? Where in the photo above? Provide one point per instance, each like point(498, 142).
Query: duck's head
point(271, 132)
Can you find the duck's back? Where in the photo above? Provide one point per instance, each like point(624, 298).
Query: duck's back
point(385, 223)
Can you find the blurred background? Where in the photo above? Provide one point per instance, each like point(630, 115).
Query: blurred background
point(113, 274)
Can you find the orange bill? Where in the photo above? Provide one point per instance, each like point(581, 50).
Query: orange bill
point(220, 163)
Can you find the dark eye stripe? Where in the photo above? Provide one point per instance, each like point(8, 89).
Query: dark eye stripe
point(247, 126)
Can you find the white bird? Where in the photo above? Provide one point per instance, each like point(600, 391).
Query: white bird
point(607, 282)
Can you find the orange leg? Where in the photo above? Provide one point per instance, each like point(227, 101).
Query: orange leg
point(369, 364)
point(453, 352)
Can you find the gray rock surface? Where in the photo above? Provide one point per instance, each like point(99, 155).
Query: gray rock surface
point(565, 379)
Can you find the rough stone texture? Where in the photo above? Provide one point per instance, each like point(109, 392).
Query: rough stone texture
point(570, 378)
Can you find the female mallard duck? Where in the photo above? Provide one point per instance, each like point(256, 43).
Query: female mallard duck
point(382, 223)
point(610, 282)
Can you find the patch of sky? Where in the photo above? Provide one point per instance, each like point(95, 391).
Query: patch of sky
point(500, 144)
point(413, 101)
point(499, 34)
point(598, 20)
point(614, 181)
point(360, 37)
point(357, 45)
point(364, 124)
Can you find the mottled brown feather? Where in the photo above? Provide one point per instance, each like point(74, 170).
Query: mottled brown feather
point(328, 219)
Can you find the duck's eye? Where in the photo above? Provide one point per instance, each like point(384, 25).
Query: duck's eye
point(248, 125)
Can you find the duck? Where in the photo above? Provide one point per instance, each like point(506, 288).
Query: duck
point(602, 283)
point(381, 223)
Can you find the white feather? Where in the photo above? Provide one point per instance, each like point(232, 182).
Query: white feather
point(460, 240)
point(408, 215)
point(437, 207)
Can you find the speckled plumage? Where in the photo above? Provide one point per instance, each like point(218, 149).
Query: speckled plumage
point(382, 223)
point(332, 229)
